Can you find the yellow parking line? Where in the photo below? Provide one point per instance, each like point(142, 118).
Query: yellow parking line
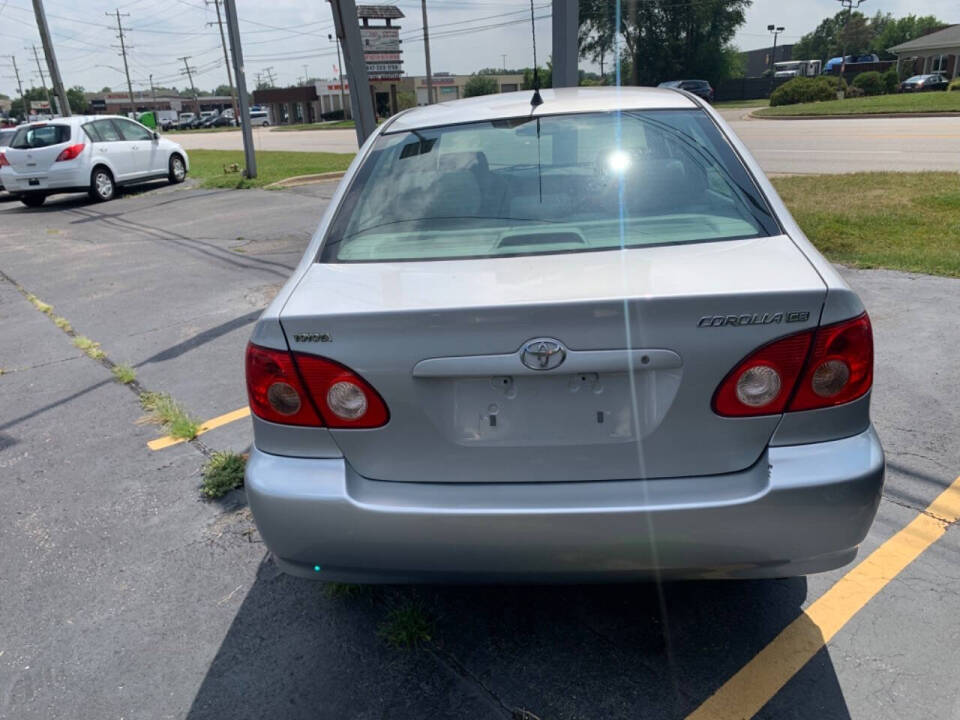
point(165, 442)
point(743, 695)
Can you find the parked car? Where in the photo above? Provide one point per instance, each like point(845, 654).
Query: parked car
point(834, 64)
point(6, 135)
point(94, 154)
point(700, 88)
point(186, 120)
point(259, 118)
point(579, 341)
point(924, 83)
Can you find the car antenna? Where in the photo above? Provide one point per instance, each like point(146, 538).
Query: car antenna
point(536, 99)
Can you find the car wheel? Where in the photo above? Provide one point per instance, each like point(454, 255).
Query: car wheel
point(102, 187)
point(34, 200)
point(178, 171)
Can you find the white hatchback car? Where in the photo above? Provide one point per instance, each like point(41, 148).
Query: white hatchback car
point(93, 154)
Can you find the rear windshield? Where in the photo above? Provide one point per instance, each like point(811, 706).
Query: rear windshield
point(38, 136)
point(565, 183)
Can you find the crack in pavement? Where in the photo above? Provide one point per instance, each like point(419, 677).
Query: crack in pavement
point(450, 663)
point(134, 386)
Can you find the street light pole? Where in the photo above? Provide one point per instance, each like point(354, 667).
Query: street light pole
point(776, 31)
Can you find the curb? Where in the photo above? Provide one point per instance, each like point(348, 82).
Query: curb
point(304, 180)
point(860, 116)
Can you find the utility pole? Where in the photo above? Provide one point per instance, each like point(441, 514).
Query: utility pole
point(776, 31)
point(153, 93)
point(426, 52)
point(345, 21)
point(343, 108)
point(23, 98)
point(51, 57)
point(188, 71)
point(233, 28)
point(123, 53)
point(269, 73)
point(226, 61)
point(504, 58)
point(848, 5)
point(43, 80)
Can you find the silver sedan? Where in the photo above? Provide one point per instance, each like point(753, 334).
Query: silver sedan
point(577, 341)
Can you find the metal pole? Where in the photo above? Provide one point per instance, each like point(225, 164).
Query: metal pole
point(196, 98)
point(226, 60)
point(343, 107)
point(345, 19)
point(126, 68)
point(565, 44)
point(23, 98)
point(426, 52)
point(233, 29)
point(43, 80)
point(153, 93)
point(51, 57)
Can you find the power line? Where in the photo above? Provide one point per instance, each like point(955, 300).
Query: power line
point(188, 71)
point(43, 80)
point(226, 60)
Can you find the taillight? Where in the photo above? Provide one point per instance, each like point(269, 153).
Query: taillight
point(275, 390)
point(301, 389)
point(761, 384)
point(3, 161)
point(344, 399)
point(70, 152)
point(819, 368)
point(840, 368)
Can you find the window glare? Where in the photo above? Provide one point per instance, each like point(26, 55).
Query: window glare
point(563, 183)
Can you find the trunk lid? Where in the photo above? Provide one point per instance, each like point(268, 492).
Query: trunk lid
point(44, 144)
point(649, 334)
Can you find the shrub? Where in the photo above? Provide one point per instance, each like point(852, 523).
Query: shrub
point(223, 473)
point(954, 85)
point(871, 83)
point(803, 90)
point(853, 92)
point(480, 85)
point(891, 80)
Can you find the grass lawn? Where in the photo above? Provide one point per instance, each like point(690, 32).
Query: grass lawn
point(902, 221)
point(337, 125)
point(742, 104)
point(207, 166)
point(175, 131)
point(909, 102)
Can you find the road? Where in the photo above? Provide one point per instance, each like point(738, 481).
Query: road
point(125, 595)
point(780, 146)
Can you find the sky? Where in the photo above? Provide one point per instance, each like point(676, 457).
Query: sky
point(285, 35)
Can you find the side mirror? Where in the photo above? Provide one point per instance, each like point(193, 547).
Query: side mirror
point(156, 135)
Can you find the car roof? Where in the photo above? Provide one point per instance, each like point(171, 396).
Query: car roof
point(555, 102)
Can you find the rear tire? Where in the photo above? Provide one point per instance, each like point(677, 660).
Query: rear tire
point(177, 170)
point(102, 186)
point(33, 201)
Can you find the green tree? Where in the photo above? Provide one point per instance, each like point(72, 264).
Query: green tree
point(892, 32)
point(823, 43)
point(76, 98)
point(35, 93)
point(545, 75)
point(222, 90)
point(480, 85)
point(106, 89)
point(406, 100)
point(856, 34)
point(665, 39)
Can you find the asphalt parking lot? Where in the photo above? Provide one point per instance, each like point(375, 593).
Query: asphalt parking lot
point(126, 595)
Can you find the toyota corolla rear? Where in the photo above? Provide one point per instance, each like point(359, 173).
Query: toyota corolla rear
point(580, 342)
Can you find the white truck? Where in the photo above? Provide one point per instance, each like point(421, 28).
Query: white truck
point(797, 68)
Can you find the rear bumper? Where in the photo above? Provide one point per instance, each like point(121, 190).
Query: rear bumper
point(800, 509)
point(62, 177)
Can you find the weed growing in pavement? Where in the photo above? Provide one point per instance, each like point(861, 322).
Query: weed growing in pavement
point(344, 591)
point(164, 410)
point(91, 348)
point(406, 626)
point(39, 304)
point(124, 374)
point(223, 473)
point(62, 323)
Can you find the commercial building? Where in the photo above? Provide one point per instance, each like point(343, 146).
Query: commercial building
point(936, 52)
point(451, 87)
point(117, 103)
